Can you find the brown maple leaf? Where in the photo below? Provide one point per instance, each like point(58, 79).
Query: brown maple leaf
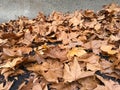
point(74, 72)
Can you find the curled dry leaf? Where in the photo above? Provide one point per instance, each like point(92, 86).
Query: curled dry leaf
point(56, 52)
point(75, 21)
point(92, 61)
point(8, 52)
point(108, 49)
point(112, 7)
point(106, 66)
point(63, 36)
point(94, 45)
point(7, 86)
point(11, 64)
point(27, 86)
point(114, 38)
point(28, 38)
point(90, 58)
point(101, 87)
point(3, 41)
point(22, 50)
point(93, 66)
point(109, 84)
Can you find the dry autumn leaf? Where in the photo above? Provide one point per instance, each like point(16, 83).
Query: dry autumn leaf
point(28, 38)
point(11, 64)
point(74, 72)
point(108, 49)
point(37, 86)
point(51, 70)
point(114, 38)
point(93, 66)
point(8, 52)
point(7, 86)
point(109, 84)
point(78, 51)
point(56, 52)
point(3, 41)
point(88, 83)
point(101, 87)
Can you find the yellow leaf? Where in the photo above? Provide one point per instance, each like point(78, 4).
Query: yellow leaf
point(76, 51)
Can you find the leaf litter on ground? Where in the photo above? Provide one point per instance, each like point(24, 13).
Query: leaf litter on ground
point(62, 51)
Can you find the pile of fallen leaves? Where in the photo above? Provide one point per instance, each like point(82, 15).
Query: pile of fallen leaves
point(72, 51)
